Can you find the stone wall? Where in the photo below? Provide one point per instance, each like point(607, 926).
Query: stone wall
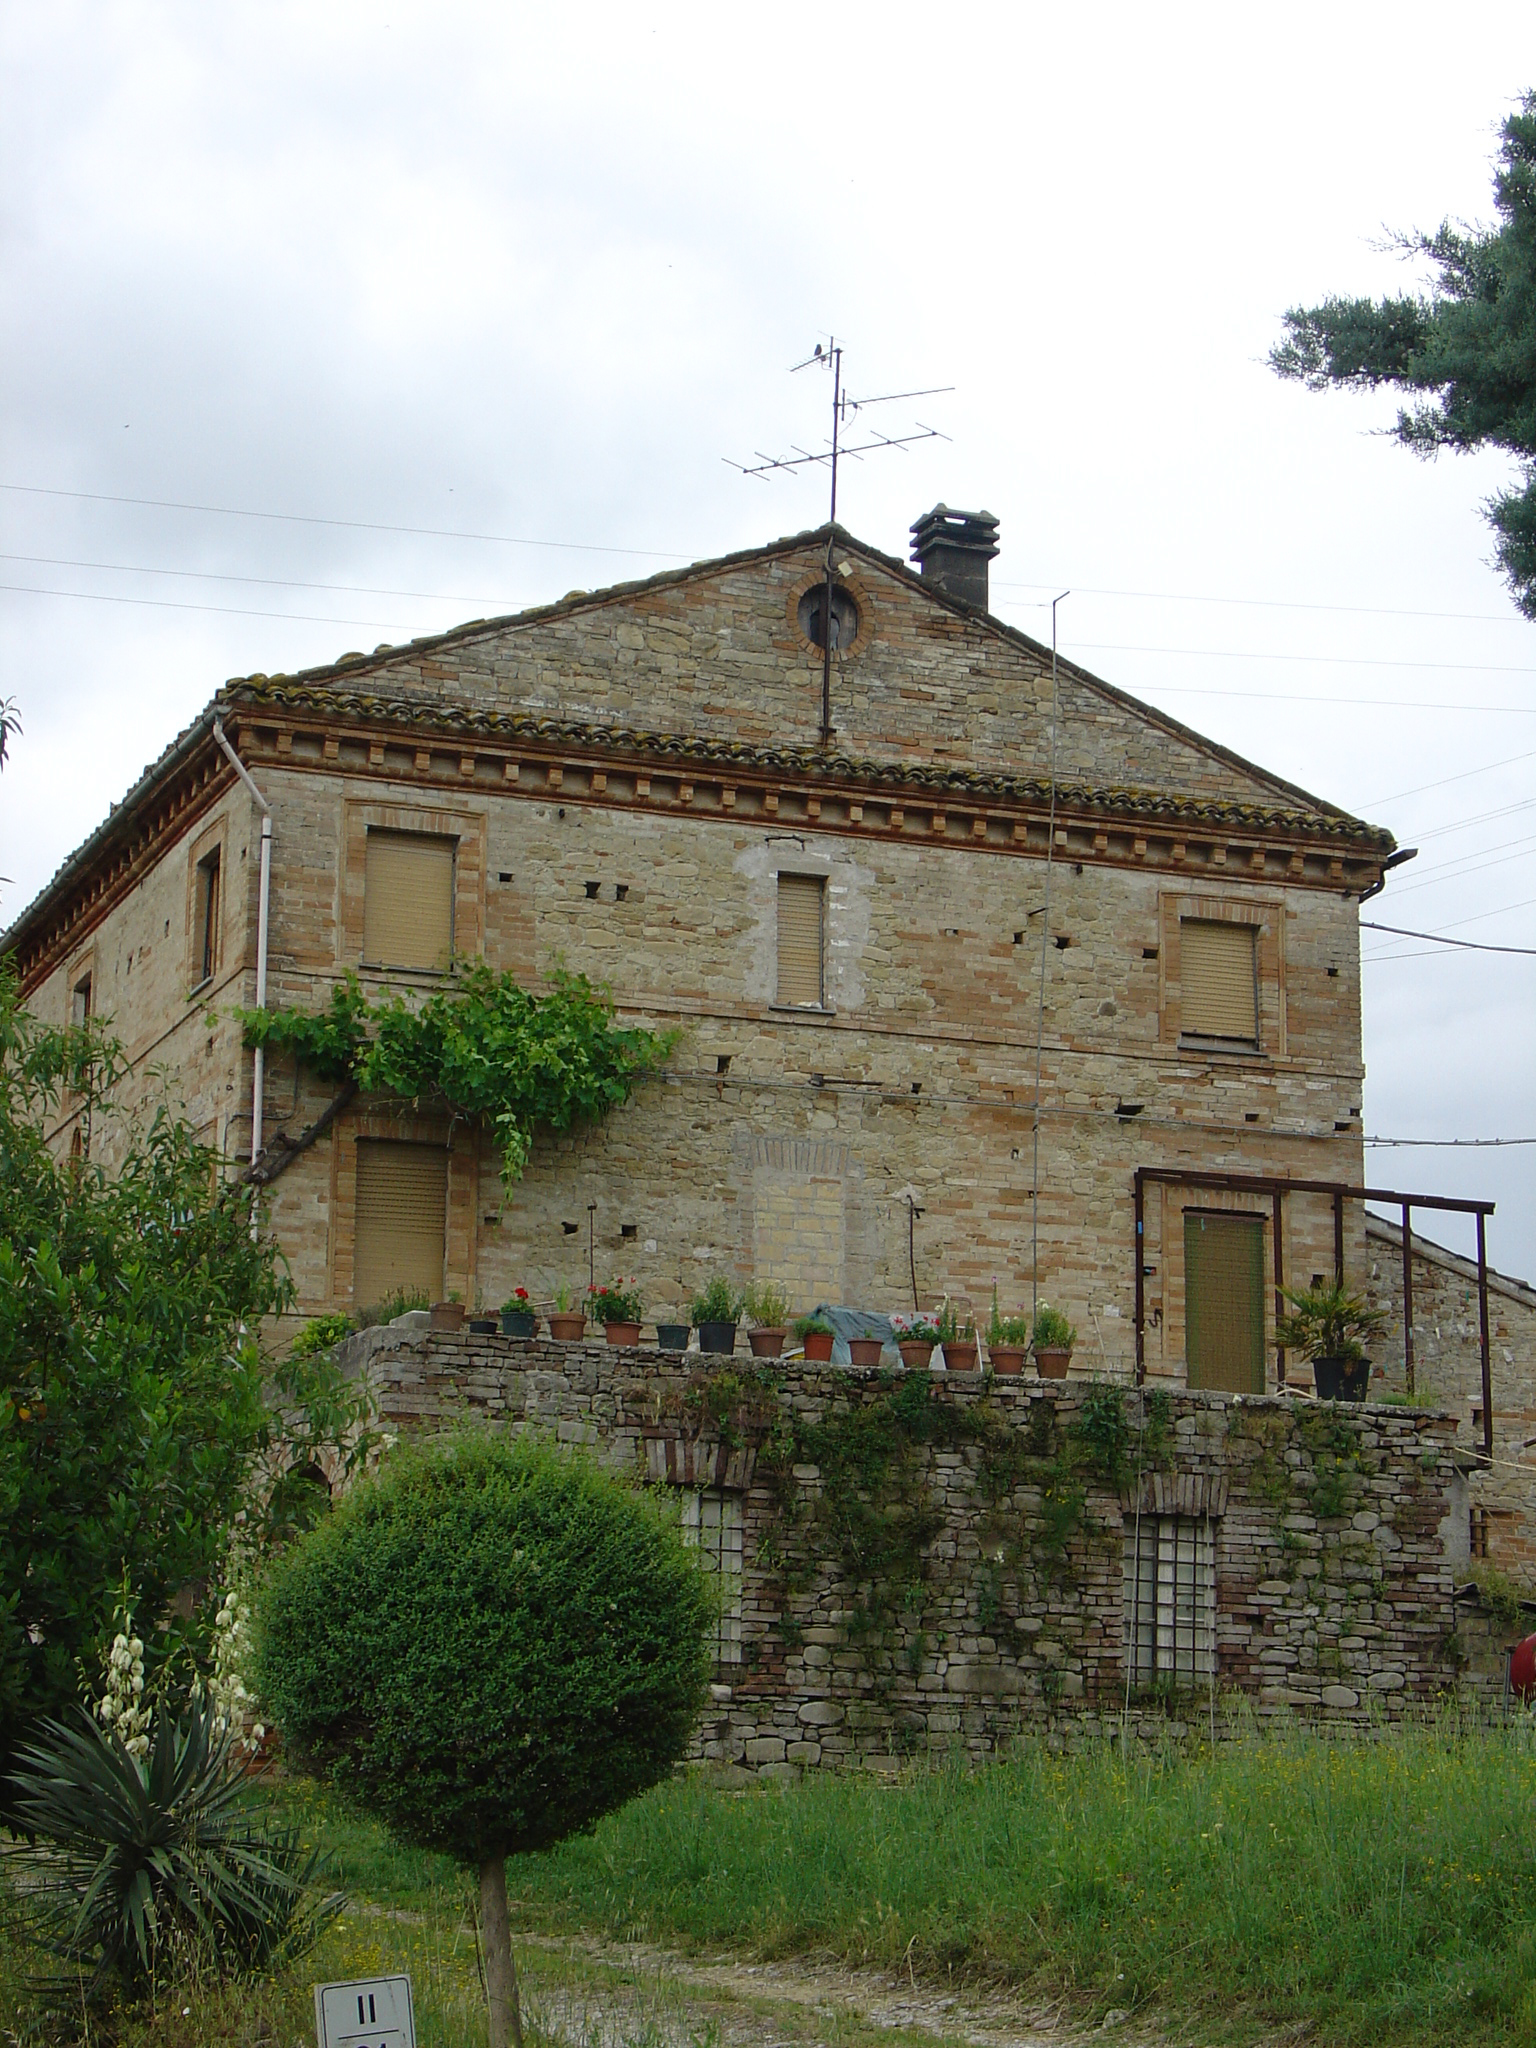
point(1332, 1534)
point(1448, 1371)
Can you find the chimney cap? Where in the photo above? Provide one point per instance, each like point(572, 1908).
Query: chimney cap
point(952, 550)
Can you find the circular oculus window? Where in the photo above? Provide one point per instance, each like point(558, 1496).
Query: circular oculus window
point(845, 616)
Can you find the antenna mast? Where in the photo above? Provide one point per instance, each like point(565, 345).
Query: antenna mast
point(843, 408)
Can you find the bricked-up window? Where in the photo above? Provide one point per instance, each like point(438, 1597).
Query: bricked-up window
point(401, 1220)
point(802, 903)
point(1224, 1302)
point(1170, 1599)
point(205, 919)
point(1218, 977)
point(712, 1526)
point(80, 1001)
point(408, 900)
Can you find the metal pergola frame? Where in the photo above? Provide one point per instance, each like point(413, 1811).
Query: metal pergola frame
point(1340, 1192)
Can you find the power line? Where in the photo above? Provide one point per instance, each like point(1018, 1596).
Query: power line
point(1396, 796)
point(1458, 871)
point(172, 604)
point(1449, 1144)
point(1459, 668)
point(270, 582)
point(1468, 945)
point(510, 540)
point(1283, 604)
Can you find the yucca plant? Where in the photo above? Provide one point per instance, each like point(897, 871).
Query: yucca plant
point(137, 1870)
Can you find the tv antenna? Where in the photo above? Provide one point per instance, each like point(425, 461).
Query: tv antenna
point(845, 409)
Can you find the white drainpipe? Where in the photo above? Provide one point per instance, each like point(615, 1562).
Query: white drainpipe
point(258, 1078)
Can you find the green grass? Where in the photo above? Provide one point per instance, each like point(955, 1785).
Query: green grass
point(1378, 1891)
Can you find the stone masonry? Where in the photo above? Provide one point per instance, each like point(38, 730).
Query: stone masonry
point(1334, 1537)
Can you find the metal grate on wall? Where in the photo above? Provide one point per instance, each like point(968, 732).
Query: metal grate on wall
point(712, 1526)
point(1170, 1599)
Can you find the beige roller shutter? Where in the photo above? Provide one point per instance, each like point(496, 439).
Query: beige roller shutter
point(402, 1212)
point(408, 904)
point(800, 907)
point(1216, 972)
point(1224, 1302)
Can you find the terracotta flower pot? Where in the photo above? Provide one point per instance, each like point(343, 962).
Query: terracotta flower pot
point(447, 1317)
point(960, 1357)
point(1051, 1362)
point(818, 1345)
point(519, 1322)
point(915, 1354)
point(766, 1343)
point(1006, 1358)
point(865, 1350)
point(567, 1328)
point(622, 1333)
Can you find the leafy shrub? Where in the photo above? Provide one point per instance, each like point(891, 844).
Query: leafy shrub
point(142, 1869)
point(1327, 1321)
point(719, 1303)
point(767, 1305)
point(1051, 1331)
point(489, 1645)
point(616, 1303)
point(321, 1333)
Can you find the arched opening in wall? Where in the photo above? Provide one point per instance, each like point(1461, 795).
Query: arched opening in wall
point(301, 1498)
point(845, 616)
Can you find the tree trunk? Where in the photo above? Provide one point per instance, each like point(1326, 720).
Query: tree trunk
point(506, 2022)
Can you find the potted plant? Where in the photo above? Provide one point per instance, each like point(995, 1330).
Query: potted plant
point(1328, 1326)
point(447, 1315)
point(768, 1308)
point(1051, 1340)
point(865, 1350)
point(815, 1335)
point(916, 1336)
point(481, 1325)
point(958, 1339)
point(619, 1308)
point(1007, 1340)
point(566, 1324)
point(672, 1336)
point(715, 1314)
point(517, 1315)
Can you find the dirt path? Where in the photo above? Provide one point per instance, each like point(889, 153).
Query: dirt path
point(616, 1995)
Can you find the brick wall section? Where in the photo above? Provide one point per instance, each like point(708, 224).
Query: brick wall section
point(1339, 1621)
point(1448, 1371)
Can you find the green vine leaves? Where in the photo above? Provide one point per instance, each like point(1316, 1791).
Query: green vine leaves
point(515, 1061)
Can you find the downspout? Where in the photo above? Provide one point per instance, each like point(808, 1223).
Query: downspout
point(1394, 860)
point(264, 887)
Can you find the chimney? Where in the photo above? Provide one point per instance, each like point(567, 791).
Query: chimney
point(952, 549)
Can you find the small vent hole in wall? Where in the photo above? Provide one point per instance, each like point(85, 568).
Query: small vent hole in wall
point(1333, 974)
point(570, 1229)
point(591, 889)
point(917, 1087)
point(503, 876)
point(1018, 938)
point(620, 891)
point(722, 1063)
point(1250, 1116)
point(628, 1231)
point(1149, 952)
point(1062, 944)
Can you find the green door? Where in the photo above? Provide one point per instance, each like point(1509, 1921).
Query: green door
point(1224, 1302)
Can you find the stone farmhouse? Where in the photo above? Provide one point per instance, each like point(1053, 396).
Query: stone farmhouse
point(986, 975)
point(849, 932)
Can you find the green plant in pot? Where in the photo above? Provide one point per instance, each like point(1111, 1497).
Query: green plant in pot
point(767, 1308)
point(1329, 1326)
point(815, 1335)
point(1051, 1339)
point(1007, 1341)
point(958, 1338)
point(715, 1313)
point(620, 1307)
point(566, 1321)
point(518, 1318)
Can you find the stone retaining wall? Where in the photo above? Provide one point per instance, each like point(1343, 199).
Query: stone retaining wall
point(1333, 1533)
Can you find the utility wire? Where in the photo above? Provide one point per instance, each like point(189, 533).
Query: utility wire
point(1467, 945)
point(270, 582)
point(1447, 1144)
point(1396, 795)
point(1284, 604)
point(172, 604)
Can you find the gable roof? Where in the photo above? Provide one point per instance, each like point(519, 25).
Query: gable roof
point(185, 766)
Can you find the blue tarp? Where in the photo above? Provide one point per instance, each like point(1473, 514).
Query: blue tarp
point(861, 1322)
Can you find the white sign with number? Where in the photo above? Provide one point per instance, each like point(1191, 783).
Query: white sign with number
point(372, 2012)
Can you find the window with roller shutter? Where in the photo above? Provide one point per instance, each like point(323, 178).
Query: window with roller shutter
point(801, 940)
point(401, 1220)
point(1218, 977)
point(408, 900)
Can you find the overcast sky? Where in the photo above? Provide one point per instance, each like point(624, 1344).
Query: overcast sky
point(531, 272)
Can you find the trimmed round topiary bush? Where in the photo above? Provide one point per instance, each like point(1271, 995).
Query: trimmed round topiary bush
point(490, 1645)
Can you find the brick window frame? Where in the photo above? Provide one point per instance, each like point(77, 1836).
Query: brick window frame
point(210, 847)
point(467, 827)
point(1265, 915)
point(461, 1246)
